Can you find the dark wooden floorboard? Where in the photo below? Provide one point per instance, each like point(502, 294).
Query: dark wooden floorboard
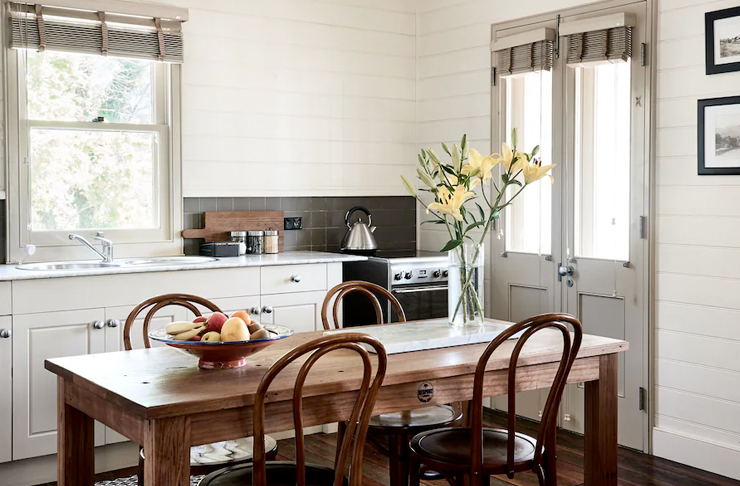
point(635, 468)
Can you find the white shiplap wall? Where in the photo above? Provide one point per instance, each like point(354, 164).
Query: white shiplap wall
point(698, 258)
point(298, 97)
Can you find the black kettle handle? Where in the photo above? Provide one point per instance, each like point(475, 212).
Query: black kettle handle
point(358, 208)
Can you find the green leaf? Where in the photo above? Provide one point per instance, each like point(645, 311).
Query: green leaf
point(474, 225)
point(446, 149)
point(451, 245)
point(481, 212)
point(516, 182)
point(448, 169)
point(496, 215)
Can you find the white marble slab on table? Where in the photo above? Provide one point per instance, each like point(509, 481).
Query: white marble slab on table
point(432, 334)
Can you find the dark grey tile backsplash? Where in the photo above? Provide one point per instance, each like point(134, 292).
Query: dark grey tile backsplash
point(323, 219)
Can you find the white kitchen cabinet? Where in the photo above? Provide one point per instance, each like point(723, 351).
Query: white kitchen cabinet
point(36, 338)
point(248, 303)
point(6, 384)
point(300, 311)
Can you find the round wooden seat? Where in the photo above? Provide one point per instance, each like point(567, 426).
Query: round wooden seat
point(450, 449)
point(416, 419)
point(278, 474)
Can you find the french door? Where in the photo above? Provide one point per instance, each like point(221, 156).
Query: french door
point(579, 245)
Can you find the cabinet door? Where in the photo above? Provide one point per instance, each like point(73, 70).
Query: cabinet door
point(6, 366)
point(38, 337)
point(300, 311)
point(115, 318)
point(230, 305)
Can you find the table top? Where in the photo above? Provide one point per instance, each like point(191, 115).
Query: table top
point(163, 382)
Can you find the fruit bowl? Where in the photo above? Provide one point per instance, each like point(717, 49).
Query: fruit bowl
point(227, 354)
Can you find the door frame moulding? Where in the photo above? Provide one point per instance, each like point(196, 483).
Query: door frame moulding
point(649, 273)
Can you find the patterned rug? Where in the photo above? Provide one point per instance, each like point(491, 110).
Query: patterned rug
point(132, 481)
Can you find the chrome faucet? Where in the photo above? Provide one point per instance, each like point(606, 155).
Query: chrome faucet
point(106, 254)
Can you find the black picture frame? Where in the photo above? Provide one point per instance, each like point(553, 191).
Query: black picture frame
point(709, 19)
point(701, 135)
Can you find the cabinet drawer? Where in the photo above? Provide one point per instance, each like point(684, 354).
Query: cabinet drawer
point(293, 278)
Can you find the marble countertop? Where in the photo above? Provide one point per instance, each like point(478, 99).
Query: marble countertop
point(12, 272)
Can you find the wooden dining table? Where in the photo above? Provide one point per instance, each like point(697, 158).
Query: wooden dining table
point(160, 399)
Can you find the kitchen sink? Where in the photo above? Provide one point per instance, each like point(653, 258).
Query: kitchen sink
point(60, 266)
point(123, 263)
point(184, 260)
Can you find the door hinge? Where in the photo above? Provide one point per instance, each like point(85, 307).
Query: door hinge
point(643, 227)
point(643, 399)
point(493, 76)
point(643, 54)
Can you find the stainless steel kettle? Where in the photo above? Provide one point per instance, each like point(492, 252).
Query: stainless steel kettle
point(359, 238)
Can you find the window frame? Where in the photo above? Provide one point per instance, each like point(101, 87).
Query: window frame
point(55, 245)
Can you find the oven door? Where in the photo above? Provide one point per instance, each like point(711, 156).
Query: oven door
point(426, 301)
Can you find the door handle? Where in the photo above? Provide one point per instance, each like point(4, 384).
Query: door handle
point(564, 271)
point(113, 322)
point(98, 324)
point(267, 309)
point(5, 333)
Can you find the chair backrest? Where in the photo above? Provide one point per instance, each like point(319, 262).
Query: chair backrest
point(352, 445)
point(370, 290)
point(527, 328)
point(156, 303)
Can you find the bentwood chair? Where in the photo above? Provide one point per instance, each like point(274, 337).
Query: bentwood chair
point(471, 455)
point(350, 450)
point(209, 457)
point(397, 427)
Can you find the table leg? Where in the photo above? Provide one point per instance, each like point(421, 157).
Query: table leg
point(398, 459)
point(75, 443)
point(600, 441)
point(167, 452)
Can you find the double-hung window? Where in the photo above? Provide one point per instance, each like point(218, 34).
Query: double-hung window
point(93, 132)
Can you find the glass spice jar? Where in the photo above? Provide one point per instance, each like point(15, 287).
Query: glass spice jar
point(255, 242)
point(272, 242)
point(241, 238)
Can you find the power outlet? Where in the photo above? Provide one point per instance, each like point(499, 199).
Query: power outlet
point(293, 223)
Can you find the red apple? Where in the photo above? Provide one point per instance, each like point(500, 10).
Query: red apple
point(200, 319)
point(216, 321)
point(195, 338)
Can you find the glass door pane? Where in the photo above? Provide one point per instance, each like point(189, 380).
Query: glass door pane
point(529, 110)
point(602, 161)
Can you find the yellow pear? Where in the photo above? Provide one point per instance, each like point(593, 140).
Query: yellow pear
point(235, 329)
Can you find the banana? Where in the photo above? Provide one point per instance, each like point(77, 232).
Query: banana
point(181, 326)
point(187, 335)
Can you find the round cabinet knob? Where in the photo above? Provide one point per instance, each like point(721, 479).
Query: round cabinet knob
point(5, 333)
point(255, 311)
point(398, 276)
point(408, 275)
point(113, 322)
point(445, 273)
point(98, 324)
point(295, 278)
point(437, 274)
point(267, 309)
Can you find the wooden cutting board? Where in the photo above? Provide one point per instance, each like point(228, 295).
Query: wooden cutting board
point(218, 224)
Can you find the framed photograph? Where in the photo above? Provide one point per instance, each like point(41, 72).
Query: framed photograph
point(723, 40)
point(719, 136)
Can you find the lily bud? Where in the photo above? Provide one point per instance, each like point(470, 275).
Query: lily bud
point(409, 187)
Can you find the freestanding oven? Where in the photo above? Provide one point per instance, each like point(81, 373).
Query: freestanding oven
point(419, 283)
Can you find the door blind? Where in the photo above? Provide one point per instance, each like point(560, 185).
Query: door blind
point(34, 26)
point(536, 56)
point(612, 45)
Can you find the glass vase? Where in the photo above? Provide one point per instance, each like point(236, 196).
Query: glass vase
point(465, 294)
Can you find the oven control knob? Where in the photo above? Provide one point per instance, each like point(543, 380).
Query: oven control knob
point(437, 274)
point(408, 275)
point(445, 273)
point(398, 276)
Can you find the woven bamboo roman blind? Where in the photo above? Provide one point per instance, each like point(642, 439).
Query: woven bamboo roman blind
point(613, 44)
point(526, 52)
point(39, 27)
